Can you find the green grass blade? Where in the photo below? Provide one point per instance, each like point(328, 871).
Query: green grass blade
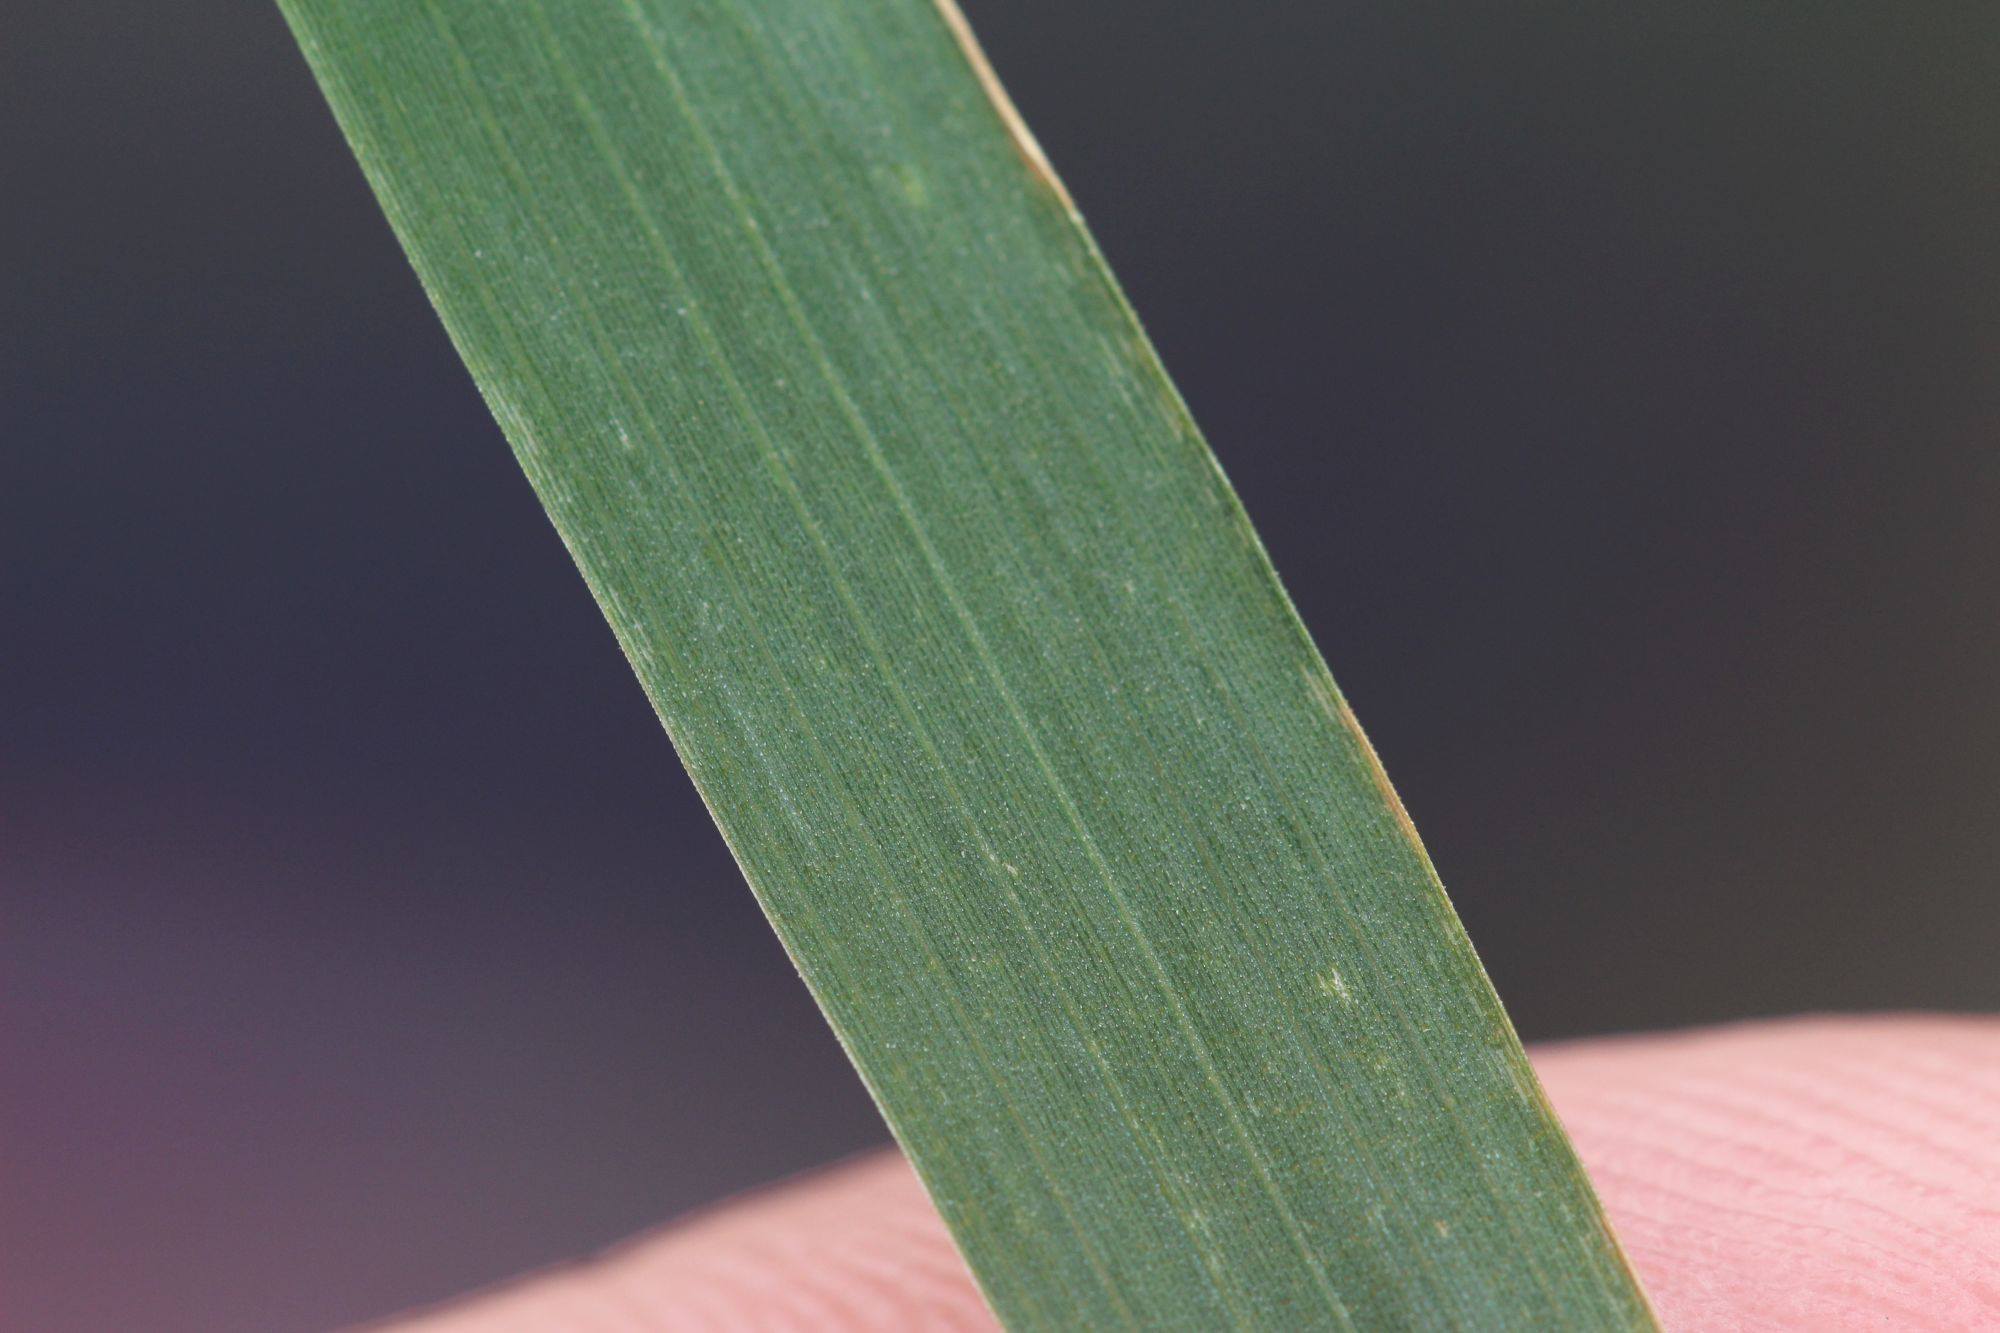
point(976, 659)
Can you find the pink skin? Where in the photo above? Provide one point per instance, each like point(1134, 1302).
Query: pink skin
point(1820, 1174)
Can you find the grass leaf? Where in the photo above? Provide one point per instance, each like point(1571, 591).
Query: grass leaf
point(975, 658)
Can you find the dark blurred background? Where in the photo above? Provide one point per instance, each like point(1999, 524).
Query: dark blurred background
point(1615, 386)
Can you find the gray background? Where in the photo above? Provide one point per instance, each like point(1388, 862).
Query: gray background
point(1614, 385)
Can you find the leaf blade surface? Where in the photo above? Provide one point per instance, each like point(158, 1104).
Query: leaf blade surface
point(975, 658)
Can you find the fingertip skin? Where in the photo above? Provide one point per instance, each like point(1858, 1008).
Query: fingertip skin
point(1811, 1174)
point(1814, 1174)
point(853, 1246)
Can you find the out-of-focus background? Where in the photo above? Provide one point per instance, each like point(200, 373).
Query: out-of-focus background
point(1616, 386)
